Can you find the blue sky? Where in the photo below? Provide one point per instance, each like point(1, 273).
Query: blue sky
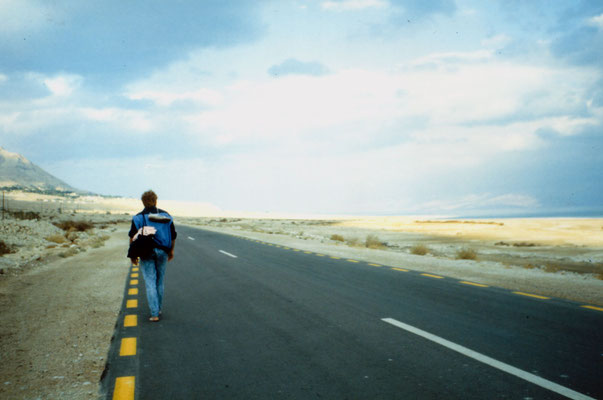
point(326, 106)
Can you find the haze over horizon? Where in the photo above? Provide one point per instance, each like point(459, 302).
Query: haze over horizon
point(349, 106)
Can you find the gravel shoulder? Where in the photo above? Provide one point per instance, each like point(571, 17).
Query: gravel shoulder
point(58, 318)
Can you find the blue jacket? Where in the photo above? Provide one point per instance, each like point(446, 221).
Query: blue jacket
point(166, 232)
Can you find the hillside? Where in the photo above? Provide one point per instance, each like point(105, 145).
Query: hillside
point(18, 173)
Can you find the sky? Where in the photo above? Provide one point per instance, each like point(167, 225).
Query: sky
point(382, 107)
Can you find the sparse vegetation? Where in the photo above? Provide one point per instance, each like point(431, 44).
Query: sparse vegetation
point(57, 238)
point(466, 254)
point(5, 249)
point(419, 250)
point(354, 242)
point(98, 241)
point(373, 242)
point(70, 226)
point(524, 244)
point(68, 253)
point(24, 215)
point(337, 238)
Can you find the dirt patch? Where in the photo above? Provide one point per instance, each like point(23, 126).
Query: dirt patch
point(58, 319)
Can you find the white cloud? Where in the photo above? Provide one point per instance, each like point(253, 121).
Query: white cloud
point(596, 21)
point(3, 78)
point(23, 16)
point(63, 85)
point(353, 5)
point(166, 97)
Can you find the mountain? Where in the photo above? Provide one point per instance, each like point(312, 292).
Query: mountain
point(18, 173)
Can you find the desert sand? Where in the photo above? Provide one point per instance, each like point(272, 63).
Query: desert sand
point(61, 289)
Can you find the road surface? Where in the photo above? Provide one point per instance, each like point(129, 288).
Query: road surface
point(248, 320)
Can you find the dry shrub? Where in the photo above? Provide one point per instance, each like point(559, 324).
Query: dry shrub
point(373, 242)
point(337, 238)
point(530, 266)
point(5, 249)
point(355, 242)
point(524, 244)
point(57, 238)
point(466, 254)
point(69, 253)
point(98, 241)
point(419, 250)
point(24, 215)
point(79, 226)
point(552, 268)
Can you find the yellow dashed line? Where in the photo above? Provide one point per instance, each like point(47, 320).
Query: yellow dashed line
point(433, 276)
point(593, 308)
point(287, 248)
point(130, 320)
point(124, 388)
point(128, 347)
point(354, 261)
point(296, 250)
point(134, 275)
point(320, 255)
point(134, 282)
point(135, 269)
point(132, 303)
point(473, 284)
point(335, 258)
point(400, 269)
point(132, 291)
point(375, 265)
point(532, 295)
point(308, 252)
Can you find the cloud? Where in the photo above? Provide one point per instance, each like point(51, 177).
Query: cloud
point(292, 66)
point(22, 16)
point(63, 85)
point(596, 21)
point(117, 40)
point(353, 5)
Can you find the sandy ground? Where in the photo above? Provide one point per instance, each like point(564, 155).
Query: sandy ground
point(58, 319)
point(60, 291)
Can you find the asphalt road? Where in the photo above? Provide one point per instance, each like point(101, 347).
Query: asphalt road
point(275, 323)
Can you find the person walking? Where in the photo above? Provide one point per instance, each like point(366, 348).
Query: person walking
point(152, 220)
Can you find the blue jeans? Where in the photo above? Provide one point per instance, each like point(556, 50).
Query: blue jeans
point(153, 271)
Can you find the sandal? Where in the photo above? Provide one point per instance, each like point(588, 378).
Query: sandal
point(154, 319)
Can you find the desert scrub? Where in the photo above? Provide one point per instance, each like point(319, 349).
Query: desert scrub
point(337, 238)
point(5, 249)
point(354, 242)
point(419, 250)
point(79, 226)
point(98, 241)
point(466, 254)
point(24, 215)
point(373, 242)
point(68, 253)
point(57, 238)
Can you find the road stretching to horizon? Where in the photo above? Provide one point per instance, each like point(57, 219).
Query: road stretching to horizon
point(244, 319)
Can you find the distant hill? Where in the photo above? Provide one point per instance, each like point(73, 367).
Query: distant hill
point(18, 173)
